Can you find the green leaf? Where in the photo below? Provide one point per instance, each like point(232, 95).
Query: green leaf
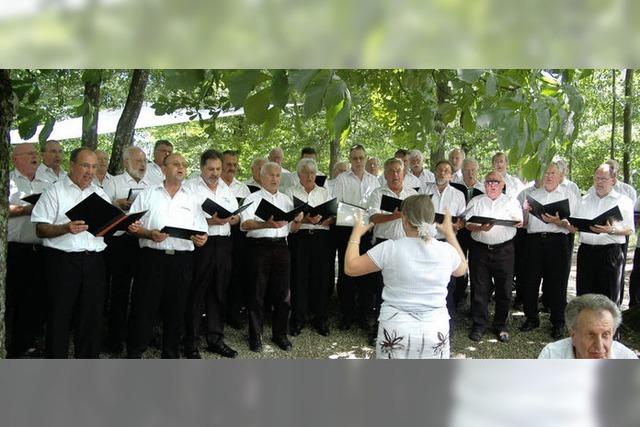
point(280, 89)
point(255, 108)
point(335, 92)
point(183, 79)
point(241, 83)
point(447, 112)
point(490, 87)
point(300, 79)
point(342, 120)
point(426, 120)
point(469, 76)
point(468, 122)
point(46, 130)
point(91, 76)
point(271, 120)
point(531, 169)
point(27, 127)
point(315, 93)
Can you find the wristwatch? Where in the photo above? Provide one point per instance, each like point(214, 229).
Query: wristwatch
point(613, 230)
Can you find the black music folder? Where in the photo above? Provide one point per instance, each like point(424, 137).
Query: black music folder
point(267, 210)
point(439, 218)
point(253, 188)
point(33, 198)
point(320, 180)
point(133, 193)
point(417, 189)
point(390, 204)
point(102, 217)
point(181, 233)
point(325, 210)
point(211, 207)
point(463, 188)
point(583, 224)
point(476, 219)
point(538, 209)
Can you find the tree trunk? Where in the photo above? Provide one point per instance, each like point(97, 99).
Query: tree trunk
point(126, 125)
point(613, 113)
point(334, 154)
point(442, 93)
point(628, 107)
point(90, 117)
point(7, 111)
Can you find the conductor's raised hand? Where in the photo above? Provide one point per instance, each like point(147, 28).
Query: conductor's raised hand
point(359, 227)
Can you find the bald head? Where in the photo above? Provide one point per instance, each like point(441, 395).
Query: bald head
point(25, 159)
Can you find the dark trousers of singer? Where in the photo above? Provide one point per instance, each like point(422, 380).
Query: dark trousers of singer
point(625, 249)
point(25, 297)
point(312, 265)
point(123, 257)
point(460, 289)
point(75, 293)
point(598, 270)
point(237, 290)
point(520, 263)
point(269, 273)
point(211, 274)
point(161, 286)
point(548, 259)
point(487, 263)
point(356, 294)
point(634, 280)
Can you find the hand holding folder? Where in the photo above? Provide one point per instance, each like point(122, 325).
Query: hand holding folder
point(325, 210)
point(101, 217)
point(211, 207)
point(584, 225)
point(267, 211)
point(33, 198)
point(537, 209)
point(477, 219)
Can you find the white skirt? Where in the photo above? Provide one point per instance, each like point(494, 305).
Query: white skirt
point(412, 335)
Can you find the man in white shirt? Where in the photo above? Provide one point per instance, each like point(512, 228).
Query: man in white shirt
point(123, 251)
point(491, 257)
point(212, 262)
point(269, 259)
point(338, 168)
point(50, 170)
point(74, 265)
point(456, 157)
point(291, 179)
point(255, 182)
point(161, 150)
point(355, 187)
point(410, 180)
point(592, 321)
point(513, 185)
point(600, 258)
point(547, 253)
point(166, 262)
point(312, 255)
point(25, 291)
point(102, 176)
point(634, 279)
point(416, 165)
point(373, 167)
point(276, 155)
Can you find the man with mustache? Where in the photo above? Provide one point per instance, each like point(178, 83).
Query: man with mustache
point(50, 170)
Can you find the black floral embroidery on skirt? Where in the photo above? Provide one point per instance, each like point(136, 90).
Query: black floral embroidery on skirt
point(441, 345)
point(390, 343)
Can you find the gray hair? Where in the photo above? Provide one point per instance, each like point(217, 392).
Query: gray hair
point(126, 154)
point(593, 302)
point(419, 211)
point(470, 160)
point(268, 166)
point(307, 163)
point(561, 164)
point(257, 160)
point(393, 161)
point(415, 153)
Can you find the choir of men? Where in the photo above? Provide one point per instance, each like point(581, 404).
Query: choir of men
point(217, 270)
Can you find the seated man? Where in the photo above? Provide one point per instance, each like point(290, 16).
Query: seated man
point(592, 321)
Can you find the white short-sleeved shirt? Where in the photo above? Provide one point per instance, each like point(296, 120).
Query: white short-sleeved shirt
point(409, 181)
point(119, 186)
point(392, 229)
point(457, 177)
point(182, 210)
point(280, 200)
point(51, 208)
point(534, 225)
point(415, 272)
point(450, 198)
point(222, 196)
point(350, 189)
point(20, 228)
point(563, 349)
point(591, 206)
point(513, 185)
point(316, 197)
point(626, 189)
point(425, 177)
point(154, 174)
point(238, 189)
point(252, 182)
point(477, 186)
point(107, 177)
point(46, 174)
point(504, 207)
point(571, 186)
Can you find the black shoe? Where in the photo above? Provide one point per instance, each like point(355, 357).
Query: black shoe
point(503, 336)
point(321, 327)
point(295, 329)
point(234, 320)
point(345, 324)
point(476, 335)
point(255, 345)
point(283, 343)
point(222, 349)
point(530, 325)
point(557, 332)
point(191, 354)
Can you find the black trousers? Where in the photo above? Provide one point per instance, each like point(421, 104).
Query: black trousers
point(599, 268)
point(269, 267)
point(625, 249)
point(75, 292)
point(487, 263)
point(237, 290)
point(211, 274)
point(123, 254)
point(634, 280)
point(312, 265)
point(548, 259)
point(161, 285)
point(356, 294)
point(25, 297)
point(521, 257)
point(460, 287)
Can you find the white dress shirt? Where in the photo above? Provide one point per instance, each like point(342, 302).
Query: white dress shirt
point(252, 182)
point(119, 186)
point(457, 177)
point(450, 198)
point(280, 200)
point(624, 188)
point(563, 349)
point(51, 208)
point(391, 229)
point(350, 189)
point(154, 174)
point(239, 189)
point(571, 186)
point(514, 185)
point(504, 207)
point(107, 177)
point(46, 174)
point(544, 197)
point(591, 206)
point(425, 177)
point(182, 210)
point(317, 196)
point(20, 228)
point(222, 196)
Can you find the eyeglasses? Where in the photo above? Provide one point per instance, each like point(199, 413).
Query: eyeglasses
point(492, 182)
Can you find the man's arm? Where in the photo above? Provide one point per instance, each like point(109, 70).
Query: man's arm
point(49, 231)
point(20, 210)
